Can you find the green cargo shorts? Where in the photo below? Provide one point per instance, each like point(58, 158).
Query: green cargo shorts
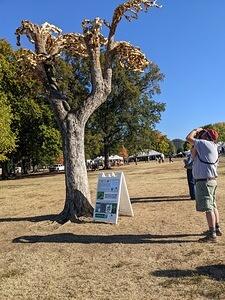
point(205, 195)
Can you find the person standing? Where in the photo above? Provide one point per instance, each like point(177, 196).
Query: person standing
point(205, 159)
point(188, 162)
point(170, 158)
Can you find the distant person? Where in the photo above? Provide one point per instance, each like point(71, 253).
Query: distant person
point(170, 158)
point(162, 157)
point(188, 163)
point(135, 160)
point(205, 158)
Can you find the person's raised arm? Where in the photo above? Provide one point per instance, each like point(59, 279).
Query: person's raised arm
point(193, 152)
point(191, 135)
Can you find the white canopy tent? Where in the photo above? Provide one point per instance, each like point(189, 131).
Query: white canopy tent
point(115, 157)
point(153, 153)
point(149, 153)
point(111, 157)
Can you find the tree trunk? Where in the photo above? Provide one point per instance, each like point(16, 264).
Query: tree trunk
point(78, 202)
point(24, 164)
point(5, 170)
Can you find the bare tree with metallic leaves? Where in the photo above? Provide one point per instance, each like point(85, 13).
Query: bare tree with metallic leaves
point(49, 43)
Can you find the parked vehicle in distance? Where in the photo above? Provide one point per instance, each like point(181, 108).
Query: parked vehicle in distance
point(56, 168)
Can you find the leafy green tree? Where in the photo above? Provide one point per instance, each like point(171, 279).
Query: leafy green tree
point(161, 143)
point(129, 114)
point(50, 145)
point(140, 141)
point(32, 123)
point(93, 144)
point(39, 142)
point(172, 149)
point(7, 137)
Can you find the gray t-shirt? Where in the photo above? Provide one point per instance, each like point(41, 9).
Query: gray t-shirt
point(207, 152)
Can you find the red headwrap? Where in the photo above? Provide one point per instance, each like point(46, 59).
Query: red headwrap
point(213, 134)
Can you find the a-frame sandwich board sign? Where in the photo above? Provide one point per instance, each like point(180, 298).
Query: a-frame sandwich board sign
point(112, 198)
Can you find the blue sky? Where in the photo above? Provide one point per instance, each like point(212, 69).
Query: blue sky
point(186, 38)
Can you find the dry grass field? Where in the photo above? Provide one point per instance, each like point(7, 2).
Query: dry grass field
point(154, 255)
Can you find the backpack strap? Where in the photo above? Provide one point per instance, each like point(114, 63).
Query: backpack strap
point(206, 162)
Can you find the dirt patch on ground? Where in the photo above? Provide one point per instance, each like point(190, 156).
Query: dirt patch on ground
point(154, 255)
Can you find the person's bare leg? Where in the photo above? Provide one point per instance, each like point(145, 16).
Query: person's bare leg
point(217, 219)
point(211, 219)
point(216, 216)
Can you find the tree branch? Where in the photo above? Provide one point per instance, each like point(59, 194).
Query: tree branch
point(129, 10)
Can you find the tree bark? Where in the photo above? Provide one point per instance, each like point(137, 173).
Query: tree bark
point(78, 202)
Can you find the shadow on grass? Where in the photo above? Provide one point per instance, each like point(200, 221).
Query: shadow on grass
point(33, 175)
point(106, 239)
point(160, 199)
point(30, 219)
point(216, 272)
point(133, 200)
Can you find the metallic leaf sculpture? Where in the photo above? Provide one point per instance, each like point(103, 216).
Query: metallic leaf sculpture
point(50, 42)
point(130, 9)
point(130, 57)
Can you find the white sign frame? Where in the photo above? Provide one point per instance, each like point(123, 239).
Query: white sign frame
point(112, 198)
